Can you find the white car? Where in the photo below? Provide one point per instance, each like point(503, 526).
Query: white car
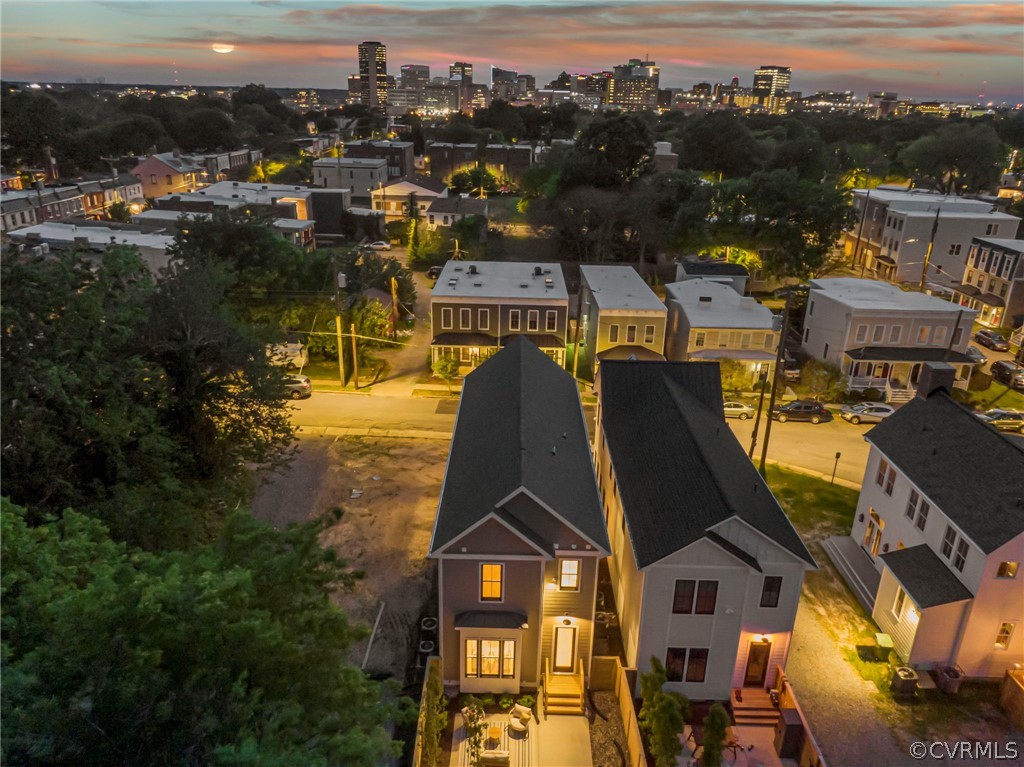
point(379, 245)
point(868, 412)
point(741, 410)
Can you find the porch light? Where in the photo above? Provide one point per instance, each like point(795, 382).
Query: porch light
point(525, 625)
point(762, 638)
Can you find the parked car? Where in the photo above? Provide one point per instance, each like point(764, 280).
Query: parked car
point(741, 410)
point(1008, 373)
point(866, 412)
point(976, 355)
point(802, 410)
point(791, 372)
point(297, 387)
point(1004, 420)
point(434, 272)
point(379, 245)
point(992, 339)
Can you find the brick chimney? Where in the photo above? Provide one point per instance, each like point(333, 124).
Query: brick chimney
point(935, 376)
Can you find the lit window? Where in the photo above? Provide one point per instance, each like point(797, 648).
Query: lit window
point(490, 583)
point(569, 574)
point(1003, 637)
point(1007, 570)
point(490, 657)
point(901, 598)
point(508, 658)
point(472, 667)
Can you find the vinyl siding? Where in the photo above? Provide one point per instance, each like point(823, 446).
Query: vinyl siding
point(578, 604)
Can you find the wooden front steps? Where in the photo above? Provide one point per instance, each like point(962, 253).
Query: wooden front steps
point(563, 693)
point(755, 709)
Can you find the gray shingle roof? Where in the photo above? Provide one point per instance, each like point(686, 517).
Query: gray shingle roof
point(925, 577)
point(970, 471)
point(679, 469)
point(520, 425)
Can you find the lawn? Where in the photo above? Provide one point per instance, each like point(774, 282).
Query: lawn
point(997, 395)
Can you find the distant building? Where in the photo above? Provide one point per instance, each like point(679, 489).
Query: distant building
point(360, 174)
point(771, 85)
point(993, 283)
point(415, 77)
point(58, 235)
point(665, 160)
point(445, 160)
point(508, 161)
point(447, 210)
point(355, 89)
point(165, 222)
point(634, 86)
point(399, 154)
point(373, 73)
point(440, 98)
point(716, 270)
point(170, 173)
point(10, 182)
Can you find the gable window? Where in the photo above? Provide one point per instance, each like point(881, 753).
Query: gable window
point(699, 339)
point(862, 333)
point(1004, 634)
point(878, 334)
point(569, 574)
point(551, 321)
point(948, 541)
point(894, 334)
point(648, 334)
point(465, 319)
point(770, 591)
point(1007, 570)
point(961, 555)
point(447, 318)
point(707, 596)
point(630, 334)
point(513, 320)
point(491, 582)
point(922, 515)
point(901, 598)
point(682, 600)
point(533, 320)
point(912, 504)
point(484, 319)
point(883, 467)
point(613, 334)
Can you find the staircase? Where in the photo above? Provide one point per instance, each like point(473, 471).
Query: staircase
point(755, 709)
point(896, 396)
point(562, 693)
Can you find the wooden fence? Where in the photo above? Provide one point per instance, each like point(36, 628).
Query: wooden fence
point(433, 663)
point(810, 751)
point(609, 674)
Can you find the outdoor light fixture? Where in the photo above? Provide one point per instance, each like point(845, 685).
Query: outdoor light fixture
point(566, 621)
point(860, 518)
point(525, 625)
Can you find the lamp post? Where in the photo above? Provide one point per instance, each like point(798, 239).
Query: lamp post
point(340, 286)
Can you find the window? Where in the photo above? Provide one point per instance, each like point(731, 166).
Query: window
point(922, 515)
point(883, 467)
point(551, 321)
point(1007, 570)
point(431, 218)
point(992, 229)
point(878, 334)
point(770, 591)
point(484, 319)
point(648, 334)
point(810, 309)
point(957, 335)
point(961, 555)
point(1003, 637)
point(490, 657)
point(630, 334)
point(894, 334)
point(954, 249)
point(948, 540)
point(472, 657)
point(490, 582)
point(807, 334)
point(901, 598)
point(940, 336)
point(446, 318)
point(682, 599)
point(890, 480)
point(699, 339)
point(533, 320)
point(923, 334)
point(152, 178)
point(862, 333)
point(912, 504)
point(513, 319)
point(508, 658)
point(613, 334)
point(465, 319)
point(707, 596)
point(169, 181)
point(675, 663)
point(569, 574)
point(697, 664)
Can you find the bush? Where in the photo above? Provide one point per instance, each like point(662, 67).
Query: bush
point(979, 381)
point(716, 724)
point(487, 700)
point(526, 700)
point(436, 716)
point(873, 395)
point(505, 702)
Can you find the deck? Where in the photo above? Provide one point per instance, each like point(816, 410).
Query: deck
point(556, 741)
point(522, 747)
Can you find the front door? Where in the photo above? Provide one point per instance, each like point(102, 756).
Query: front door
point(565, 649)
point(757, 664)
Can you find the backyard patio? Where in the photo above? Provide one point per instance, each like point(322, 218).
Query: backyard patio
point(746, 747)
point(558, 741)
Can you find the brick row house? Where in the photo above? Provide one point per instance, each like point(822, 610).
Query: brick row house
point(993, 284)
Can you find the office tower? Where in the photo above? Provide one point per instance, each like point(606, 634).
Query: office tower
point(771, 85)
point(355, 89)
point(373, 74)
point(634, 85)
point(461, 70)
point(415, 76)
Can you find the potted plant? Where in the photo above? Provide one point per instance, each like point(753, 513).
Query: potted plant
point(473, 716)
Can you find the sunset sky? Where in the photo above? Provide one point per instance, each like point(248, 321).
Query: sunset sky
point(920, 48)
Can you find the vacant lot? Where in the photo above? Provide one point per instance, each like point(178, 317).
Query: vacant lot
point(384, 530)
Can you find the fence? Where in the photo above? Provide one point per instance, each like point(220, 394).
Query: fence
point(433, 666)
point(609, 674)
point(1011, 697)
point(810, 751)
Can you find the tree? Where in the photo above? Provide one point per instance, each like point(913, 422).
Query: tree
point(231, 653)
point(716, 726)
point(661, 715)
point(826, 381)
point(720, 143)
point(473, 716)
point(623, 143)
point(119, 212)
point(415, 247)
point(474, 180)
point(446, 368)
point(435, 717)
point(736, 377)
point(956, 157)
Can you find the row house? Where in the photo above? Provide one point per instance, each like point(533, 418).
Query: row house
point(10, 182)
point(393, 198)
point(477, 307)
point(163, 221)
point(93, 239)
point(708, 319)
point(881, 336)
point(937, 541)
point(447, 210)
point(714, 269)
point(360, 174)
point(29, 207)
point(445, 160)
point(993, 284)
point(895, 229)
point(519, 534)
point(508, 161)
point(170, 173)
point(400, 155)
point(218, 164)
point(620, 317)
point(705, 567)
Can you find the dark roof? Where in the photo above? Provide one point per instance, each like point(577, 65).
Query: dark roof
point(714, 268)
point(520, 427)
point(625, 351)
point(963, 465)
point(424, 181)
point(542, 340)
point(464, 339)
point(986, 298)
point(467, 206)
point(679, 469)
point(906, 354)
point(925, 577)
point(489, 619)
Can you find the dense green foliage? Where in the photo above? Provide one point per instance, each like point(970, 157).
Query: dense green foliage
point(231, 653)
point(662, 715)
point(435, 717)
point(716, 727)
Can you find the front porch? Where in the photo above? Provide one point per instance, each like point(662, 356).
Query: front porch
point(895, 371)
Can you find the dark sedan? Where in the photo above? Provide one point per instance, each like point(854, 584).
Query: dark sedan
point(992, 339)
point(802, 410)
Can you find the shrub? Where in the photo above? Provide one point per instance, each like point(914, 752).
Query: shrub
point(716, 724)
point(487, 700)
point(526, 700)
point(435, 718)
point(873, 395)
point(979, 381)
point(505, 702)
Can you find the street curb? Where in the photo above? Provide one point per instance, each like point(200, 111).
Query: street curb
point(345, 431)
point(816, 474)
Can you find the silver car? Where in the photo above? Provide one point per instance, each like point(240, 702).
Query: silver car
point(866, 412)
point(741, 410)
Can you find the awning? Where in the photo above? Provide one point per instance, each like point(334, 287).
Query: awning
point(925, 577)
point(489, 619)
point(464, 339)
point(986, 298)
point(752, 355)
point(543, 340)
point(885, 260)
point(630, 351)
point(906, 354)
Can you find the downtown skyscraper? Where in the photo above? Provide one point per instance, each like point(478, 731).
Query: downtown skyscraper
point(373, 74)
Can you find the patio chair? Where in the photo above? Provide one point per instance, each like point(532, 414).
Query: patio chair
point(519, 719)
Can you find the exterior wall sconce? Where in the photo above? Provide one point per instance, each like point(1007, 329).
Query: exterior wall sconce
point(860, 517)
point(885, 547)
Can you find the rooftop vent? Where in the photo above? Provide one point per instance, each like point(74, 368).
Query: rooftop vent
point(704, 299)
point(453, 281)
point(549, 282)
point(524, 284)
point(478, 284)
point(547, 271)
point(457, 268)
point(472, 268)
point(537, 271)
point(234, 183)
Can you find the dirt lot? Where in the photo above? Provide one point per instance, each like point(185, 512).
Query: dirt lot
point(385, 531)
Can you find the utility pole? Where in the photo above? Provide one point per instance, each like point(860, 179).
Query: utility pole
point(355, 360)
point(340, 284)
point(764, 385)
point(860, 233)
point(775, 380)
point(928, 253)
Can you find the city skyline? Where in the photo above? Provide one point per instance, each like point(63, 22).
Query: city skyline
point(923, 50)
